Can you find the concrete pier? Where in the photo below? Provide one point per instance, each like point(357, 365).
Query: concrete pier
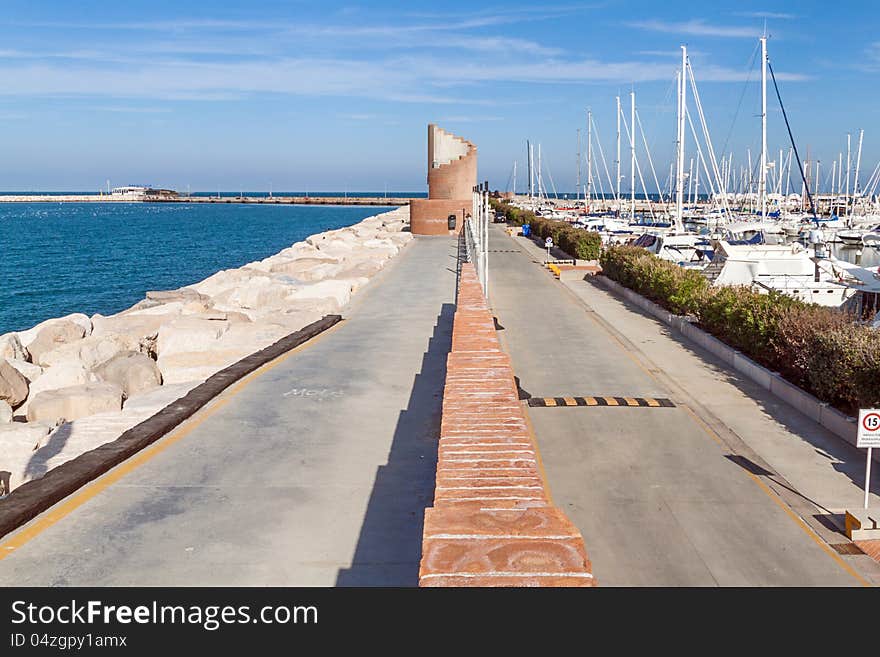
point(247, 200)
point(317, 472)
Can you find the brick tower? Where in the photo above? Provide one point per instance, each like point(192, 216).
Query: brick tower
point(452, 175)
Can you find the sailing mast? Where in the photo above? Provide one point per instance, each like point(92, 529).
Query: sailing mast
point(589, 195)
point(848, 171)
point(531, 170)
point(762, 180)
point(682, 108)
point(577, 195)
point(617, 192)
point(858, 166)
point(632, 154)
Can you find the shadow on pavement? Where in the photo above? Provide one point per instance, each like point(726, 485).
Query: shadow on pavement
point(389, 547)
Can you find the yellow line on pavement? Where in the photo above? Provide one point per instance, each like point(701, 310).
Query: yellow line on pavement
point(68, 505)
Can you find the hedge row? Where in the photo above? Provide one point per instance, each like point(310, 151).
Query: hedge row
point(819, 349)
point(576, 242)
point(513, 216)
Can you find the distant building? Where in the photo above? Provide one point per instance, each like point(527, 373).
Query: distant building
point(141, 193)
point(452, 176)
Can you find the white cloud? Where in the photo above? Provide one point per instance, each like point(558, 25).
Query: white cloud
point(697, 27)
point(766, 14)
point(469, 119)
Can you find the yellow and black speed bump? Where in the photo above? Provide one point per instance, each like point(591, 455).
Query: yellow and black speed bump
point(649, 402)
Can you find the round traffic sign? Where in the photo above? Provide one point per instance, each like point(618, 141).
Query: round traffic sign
point(871, 422)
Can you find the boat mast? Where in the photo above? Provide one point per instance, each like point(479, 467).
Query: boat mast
point(541, 190)
point(514, 179)
point(858, 166)
point(589, 194)
point(691, 184)
point(531, 170)
point(632, 154)
point(762, 180)
point(848, 168)
point(577, 195)
point(618, 149)
point(682, 109)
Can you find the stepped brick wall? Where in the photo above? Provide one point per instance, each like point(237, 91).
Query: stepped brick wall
point(492, 523)
point(452, 175)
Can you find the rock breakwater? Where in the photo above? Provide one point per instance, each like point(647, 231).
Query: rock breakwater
point(72, 383)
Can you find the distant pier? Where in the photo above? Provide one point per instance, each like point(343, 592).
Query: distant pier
point(276, 200)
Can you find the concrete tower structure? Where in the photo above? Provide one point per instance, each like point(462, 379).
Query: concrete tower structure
point(452, 175)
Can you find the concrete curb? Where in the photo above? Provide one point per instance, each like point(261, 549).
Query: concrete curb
point(843, 426)
point(33, 497)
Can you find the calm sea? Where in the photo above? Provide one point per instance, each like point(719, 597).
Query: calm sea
point(57, 259)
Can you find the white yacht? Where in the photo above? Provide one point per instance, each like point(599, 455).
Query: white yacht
point(794, 270)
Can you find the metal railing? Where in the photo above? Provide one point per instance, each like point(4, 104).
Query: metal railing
point(476, 235)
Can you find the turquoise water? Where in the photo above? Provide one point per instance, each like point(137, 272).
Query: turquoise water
point(57, 259)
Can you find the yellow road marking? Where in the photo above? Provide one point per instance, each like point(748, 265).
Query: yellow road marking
point(570, 401)
point(611, 401)
point(68, 505)
point(652, 402)
point(591, 401)
point(632, 401)
point(549, 401)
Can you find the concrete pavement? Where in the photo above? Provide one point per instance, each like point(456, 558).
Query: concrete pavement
point(661, 495)
point(317, 472)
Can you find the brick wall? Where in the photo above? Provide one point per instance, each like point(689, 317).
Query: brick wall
point(492, 523)
point(430, 217)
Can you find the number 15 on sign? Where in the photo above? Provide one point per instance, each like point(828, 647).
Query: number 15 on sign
point(868, 436)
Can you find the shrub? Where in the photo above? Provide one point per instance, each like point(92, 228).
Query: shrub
point(820, 349)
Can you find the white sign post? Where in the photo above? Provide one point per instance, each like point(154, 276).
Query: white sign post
point(868, 436)
point(549, 244)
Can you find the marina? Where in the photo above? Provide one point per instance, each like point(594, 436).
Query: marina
point(659, 369)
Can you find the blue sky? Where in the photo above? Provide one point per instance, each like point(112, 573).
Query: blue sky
point(333, 96)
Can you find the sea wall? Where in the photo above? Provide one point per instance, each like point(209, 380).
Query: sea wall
point(72, 383)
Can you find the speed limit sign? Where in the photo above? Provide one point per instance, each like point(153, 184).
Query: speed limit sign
point(869, 428)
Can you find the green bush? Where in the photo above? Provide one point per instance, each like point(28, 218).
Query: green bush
point(820, 349)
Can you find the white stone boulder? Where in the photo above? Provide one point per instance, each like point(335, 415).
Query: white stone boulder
point(52, 337)
point(60, 376)
point(307, 268)
point(27, 337)
point(227, 279)
point(136, 324)
point(337, 290)
point(11, 347)
point(260, 294)
point(18, 443)
point(13, 385)
point(5, 412)
point(91, 351)
point(239, 341)
point(28, 370)
point(187, 349)
point(190, 334)
point(132, 371)
point(73, 402)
